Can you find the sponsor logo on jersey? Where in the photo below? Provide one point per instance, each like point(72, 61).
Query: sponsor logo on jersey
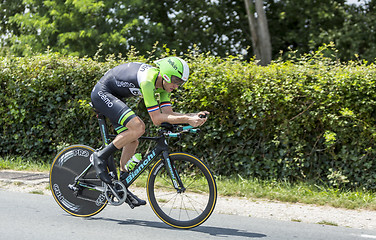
point(144, 67)
point(124, 84)
point(105, 99)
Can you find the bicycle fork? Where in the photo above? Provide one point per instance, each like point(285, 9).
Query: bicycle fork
point(174, 175)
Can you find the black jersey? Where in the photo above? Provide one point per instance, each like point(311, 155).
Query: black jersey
point(135, 79)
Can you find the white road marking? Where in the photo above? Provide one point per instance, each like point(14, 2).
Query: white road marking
point(368, 236)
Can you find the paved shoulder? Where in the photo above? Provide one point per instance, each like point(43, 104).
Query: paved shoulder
point(23, 176)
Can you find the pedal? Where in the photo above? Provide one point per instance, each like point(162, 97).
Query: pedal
point(129, 203)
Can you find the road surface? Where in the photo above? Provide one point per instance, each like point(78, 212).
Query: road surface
point(31, 216)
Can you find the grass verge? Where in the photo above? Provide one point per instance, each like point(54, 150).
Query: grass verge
point(23, 164)
point(301, 192)
point(236, 186)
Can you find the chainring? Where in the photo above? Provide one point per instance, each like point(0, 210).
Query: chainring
point(115, 194)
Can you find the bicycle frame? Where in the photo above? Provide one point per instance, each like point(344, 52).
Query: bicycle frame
point(160, 149)
point(79, 191)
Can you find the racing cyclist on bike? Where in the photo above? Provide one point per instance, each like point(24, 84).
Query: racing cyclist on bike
point(138, 79)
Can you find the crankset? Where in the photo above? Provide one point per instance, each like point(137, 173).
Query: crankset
point(116, 194)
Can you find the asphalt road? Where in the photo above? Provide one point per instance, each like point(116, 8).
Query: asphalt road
point(29, 216)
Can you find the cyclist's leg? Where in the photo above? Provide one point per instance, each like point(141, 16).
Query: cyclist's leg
point(128, 151)
point(133, 130)
point(127, 138)
point(118, 112)
point(126, 123)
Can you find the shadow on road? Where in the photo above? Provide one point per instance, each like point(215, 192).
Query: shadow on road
point(214, 231)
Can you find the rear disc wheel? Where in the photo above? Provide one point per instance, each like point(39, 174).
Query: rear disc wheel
point(67, 165)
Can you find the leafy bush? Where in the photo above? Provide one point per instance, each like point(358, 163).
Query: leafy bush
point(310, 118)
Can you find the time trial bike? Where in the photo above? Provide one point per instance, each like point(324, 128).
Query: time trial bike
point(181, 189)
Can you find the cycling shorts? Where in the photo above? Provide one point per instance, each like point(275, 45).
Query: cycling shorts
point(112, 107)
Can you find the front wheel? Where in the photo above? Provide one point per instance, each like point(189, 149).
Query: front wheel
point(182, 209)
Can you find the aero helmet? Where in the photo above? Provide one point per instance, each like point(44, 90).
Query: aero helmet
point(173, 69)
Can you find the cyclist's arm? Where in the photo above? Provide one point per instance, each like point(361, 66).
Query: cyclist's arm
point(175, 117)
point(168, 110)
point(158, 117)
point(163, 112)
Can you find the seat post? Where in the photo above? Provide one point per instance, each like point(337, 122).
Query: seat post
point(102, 127)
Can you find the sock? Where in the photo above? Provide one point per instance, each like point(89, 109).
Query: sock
point(106, 152)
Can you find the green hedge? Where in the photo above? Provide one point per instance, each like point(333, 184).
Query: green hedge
point(307, 119)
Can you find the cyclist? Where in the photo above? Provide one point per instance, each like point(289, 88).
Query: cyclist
point(138, 79)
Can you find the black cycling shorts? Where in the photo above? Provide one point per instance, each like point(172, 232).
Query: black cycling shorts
point(112, 107)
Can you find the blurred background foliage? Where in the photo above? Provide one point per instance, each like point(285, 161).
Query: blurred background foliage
point(218, 26)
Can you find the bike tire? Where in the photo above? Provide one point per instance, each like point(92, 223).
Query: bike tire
point(188, 209)
point(67, 165)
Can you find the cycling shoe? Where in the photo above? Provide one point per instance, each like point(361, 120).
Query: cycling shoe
point(100, 167)
point(135, 200)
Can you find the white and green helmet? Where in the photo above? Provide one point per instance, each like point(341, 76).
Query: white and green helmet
point(173, 69)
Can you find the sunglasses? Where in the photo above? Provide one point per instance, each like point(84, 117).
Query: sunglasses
point(177, 80)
